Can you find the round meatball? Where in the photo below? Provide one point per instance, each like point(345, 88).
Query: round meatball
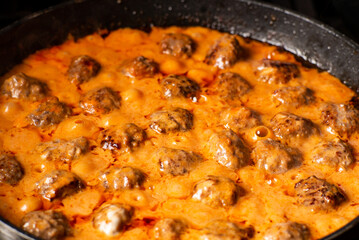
point(177, 44)
point(49, 112)
point(239, 118)
point(122, 178)
point(231, 86)
point(224, 230)
point(334, 153)
point(288, 231)
point(58, 184)
point(169, 229)
point(225, 52)
point(175, 120)
point(11, 171)
point(82, 69)
point(293, 96)
point(340, 118)
point(46, 225)
point(175, 86)
point(21, 86)
point(318, 194)
point(100, 101)
point(140, 67)
point(112, 219)
point(274, 157)
point(228, 149)
point(277, 72)
point(216, 191)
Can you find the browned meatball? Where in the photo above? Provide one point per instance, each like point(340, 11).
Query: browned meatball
point(46, 225)
point(177, 44)
point(225, 52)
point(63, 150)
point(293, 96)
point(216, 191)
point(228, 149)
point(277, 72)
point(274, 157)
point(288, 231)
point(340, 118)
point(58, 184)
point(100, 101)
point(112, 219)
point(11, 171)
point(169, 229)
point(175, 86)
point(82, 69)
point(122, 178)
point(239, 118)
point(49, 112)
point(140, 67)
point(175, 120)
point(318, 194)
point(175, 161)
point(21, 86)
point(231, 86)
point(224, 230)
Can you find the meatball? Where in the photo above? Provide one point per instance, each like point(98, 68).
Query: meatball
point(277, 72)
point(140, 67)
point(63, 150)
point(231, 86)
point(175, 86)
point(340, 118)
point(112, 219)
point(288, 231)
point(224, 230)
point(169, 229)
point(11, 171)
point(228, 149)
point(239, 118)
point(122, 178)
point(318, 194)
point(293, 96)
point(216, 191)
point(58, 184)
point(177, 44)
point(274, 157)
point(225, 52)
point(21, 86)
point(334, 153)
point(174, 120)
point(46, 225)
point(175, 161)
point(82, 69)
point(286, 125)
point(127, 137)
point(100, 101)
point(49, 113)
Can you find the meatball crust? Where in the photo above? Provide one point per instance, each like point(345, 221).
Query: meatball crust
point(293, 96)
point(58, 184)
point(277, 72)
point(274, 157)
point(223, 230)
point(175, 120)
point(82, 69)
point(21, 86)
point(169, 229)
point(225, 52)
point(228, 149)
point(122, 178)
point(177, 44)
point(11, 171)
point(46, 225)
point(239, 118)
point(100, 101)
point(216, 191)
point(174, 86)
point(318, 194)
point(231, 86)
point(140, 67)
point(112, 219)
point(288, 231)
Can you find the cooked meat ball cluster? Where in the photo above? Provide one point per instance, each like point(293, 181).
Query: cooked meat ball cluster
point(239, 118)
point(100, 101)
point(11, 171)
point(82, 69)
point(174, 86)
point(140, 67)
point(122, 178)
point(288, 231)
point(277, 72)
point(293, 96)
point(231, 86)
point(175, 120)
point(169, 229)
point(177, 44)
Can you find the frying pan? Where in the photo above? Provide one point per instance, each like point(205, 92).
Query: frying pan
point(314, 43)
